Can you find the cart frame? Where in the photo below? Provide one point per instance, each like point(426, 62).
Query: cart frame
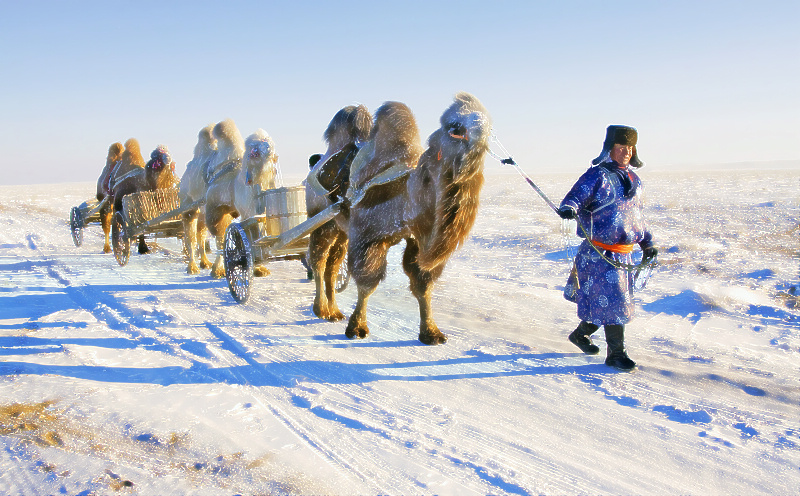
point(164, 223)
point(80, 216)
point(241, 254)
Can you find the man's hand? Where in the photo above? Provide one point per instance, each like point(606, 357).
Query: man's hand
point(566, 213)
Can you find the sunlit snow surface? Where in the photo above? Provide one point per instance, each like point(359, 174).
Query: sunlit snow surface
point(145, 380)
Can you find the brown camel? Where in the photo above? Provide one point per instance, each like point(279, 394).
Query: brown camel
point(328, 243)
point(133, 175)
point(193, 188)
point(107, 211)
point(430, 200)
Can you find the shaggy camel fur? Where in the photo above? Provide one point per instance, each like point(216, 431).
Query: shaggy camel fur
point(432, 206)
point(232, 193)
point(328, 243)
point(193, 188)
point(107, 211)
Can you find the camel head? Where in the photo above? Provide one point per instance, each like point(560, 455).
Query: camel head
point(454, 163)
point(260, 159)
point(160, 158)
point(160, 169)
point(463, 138)
point(230, 145)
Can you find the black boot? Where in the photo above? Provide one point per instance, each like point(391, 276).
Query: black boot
point(580, 338)
point(616, 356)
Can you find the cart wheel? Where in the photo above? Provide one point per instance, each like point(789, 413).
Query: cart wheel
point(238, 262)
point(76, 225)
point(343, 277)
point(119, 240)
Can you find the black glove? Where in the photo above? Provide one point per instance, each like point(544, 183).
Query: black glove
point(650, 252)
point(566, 213)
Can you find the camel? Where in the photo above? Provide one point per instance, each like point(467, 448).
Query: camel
point(231, 192)
point(193, 188)
point(328, 243)
point(132, 175)
point(429, 199)
point(128, 177)
point(107, 211)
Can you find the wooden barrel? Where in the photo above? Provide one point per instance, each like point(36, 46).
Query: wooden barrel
point(285, 208)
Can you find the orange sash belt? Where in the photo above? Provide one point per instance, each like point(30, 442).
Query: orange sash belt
point(614, 248)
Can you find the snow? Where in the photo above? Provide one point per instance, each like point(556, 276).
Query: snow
point(145, 380)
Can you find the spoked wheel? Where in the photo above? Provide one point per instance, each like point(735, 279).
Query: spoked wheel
point(238, 262)
point(343, 277)
point(76, 225)
point(119, 240)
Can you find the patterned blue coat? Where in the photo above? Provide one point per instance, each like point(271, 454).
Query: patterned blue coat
point(608, 200)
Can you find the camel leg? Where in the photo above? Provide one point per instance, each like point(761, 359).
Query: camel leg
point(218, 223)
point(357, 325)
point(421, 287)
point(142, 245)
point(218, 267)
point(320, 243)
point(368, 264)
point(335, 259)
point(202, 246)
point(190, 240)
point(105, 222)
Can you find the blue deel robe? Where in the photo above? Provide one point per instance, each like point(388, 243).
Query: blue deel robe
point(604, 294)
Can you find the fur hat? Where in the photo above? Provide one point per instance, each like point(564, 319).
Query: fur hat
point(619, 135)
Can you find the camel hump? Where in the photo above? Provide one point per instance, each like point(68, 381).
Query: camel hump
point(394, 142)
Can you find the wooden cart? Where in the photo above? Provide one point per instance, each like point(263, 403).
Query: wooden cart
point(280, 233)
point(152, 213)
point(82, 215)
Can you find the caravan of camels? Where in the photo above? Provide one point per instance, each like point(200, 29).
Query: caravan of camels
point(375, 186)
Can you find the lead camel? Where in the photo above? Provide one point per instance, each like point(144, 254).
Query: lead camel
point(427, 198)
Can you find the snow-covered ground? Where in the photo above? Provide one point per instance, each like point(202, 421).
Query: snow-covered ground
point(145, 380)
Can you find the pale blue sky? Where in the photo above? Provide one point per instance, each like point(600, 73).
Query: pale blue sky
point(704, 82)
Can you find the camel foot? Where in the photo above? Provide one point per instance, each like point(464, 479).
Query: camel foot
point(356, 331)
point(260, 271)
point(192, 269)
point(218, 274)
point(337, 316)
point(334, 315)
point(205, 264)
point(432, 335)
point(106, 249)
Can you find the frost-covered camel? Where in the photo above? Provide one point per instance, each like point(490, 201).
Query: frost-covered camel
point(192, 189)
point(328, 243)
point(107, 210)
point(231, 191)
point(428, 198)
